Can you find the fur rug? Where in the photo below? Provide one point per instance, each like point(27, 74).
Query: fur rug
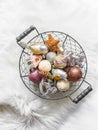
point(19, 108)
point(18, 113)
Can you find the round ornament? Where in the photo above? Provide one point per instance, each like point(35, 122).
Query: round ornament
point(35, 76)
point(44, 65)
point(60, 61)
point(50, 56)
point(74, 73)
point(63, 85)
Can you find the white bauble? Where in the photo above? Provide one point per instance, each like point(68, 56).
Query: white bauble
point(63, 85)
point(44, 65)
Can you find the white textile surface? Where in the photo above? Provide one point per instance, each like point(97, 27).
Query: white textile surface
point(19, 108)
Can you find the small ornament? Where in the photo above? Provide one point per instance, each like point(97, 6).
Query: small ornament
point(59, 74)
point(50, 76)
point(33, 61)
point(47, 87)
point(35, 76)
point(74, 59)
point(77, 60)
point(44, 73)
point(60, 61)
point(36, 59)
point(63, 85)
point(50, 56)
point(74, 73)
point(68, 56)
point(44, 65)
point(38, 48)
point(52, 43)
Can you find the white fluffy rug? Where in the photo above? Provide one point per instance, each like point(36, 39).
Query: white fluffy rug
point(19, 108)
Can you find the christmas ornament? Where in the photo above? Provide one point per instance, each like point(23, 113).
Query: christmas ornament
point(59, 74)
point(44, 73)
point(36, 59)
point(47, 87)
point(50, 56)
point(44, 65)
point(74, 73)
point(63, 85)
point(38, 48)
point(60, 61)
point(35, 76)
point(52, 43)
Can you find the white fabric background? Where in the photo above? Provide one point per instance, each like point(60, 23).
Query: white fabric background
point(79, 18)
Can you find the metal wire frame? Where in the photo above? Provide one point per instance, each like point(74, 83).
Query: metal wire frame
point(62, 94)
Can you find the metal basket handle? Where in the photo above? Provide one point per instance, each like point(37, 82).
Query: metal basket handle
point(25, 33)
point(82, 94)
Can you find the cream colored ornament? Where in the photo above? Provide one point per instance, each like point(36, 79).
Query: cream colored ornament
point(60, 61)
point(44, 65)
point(63, 85)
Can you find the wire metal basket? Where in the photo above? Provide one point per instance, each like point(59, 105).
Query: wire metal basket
point(68, 43)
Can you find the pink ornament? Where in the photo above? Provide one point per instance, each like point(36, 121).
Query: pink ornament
point(35, 76)
point(36, 60)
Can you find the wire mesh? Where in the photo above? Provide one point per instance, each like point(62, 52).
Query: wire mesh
point(68, 43)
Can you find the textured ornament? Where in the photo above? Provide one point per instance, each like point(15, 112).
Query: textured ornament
point(60, 61)
point(59, 74)
point(47, 87)
point(74, 73)
point(33, 61)
point(74, 59)
point(77, 60)
point(38, 48)
point(52, 43)
point(63, 85)
point(44, 74)
point(50, 56)
point(35, 76)
point(36, 59)
point(44, 65)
